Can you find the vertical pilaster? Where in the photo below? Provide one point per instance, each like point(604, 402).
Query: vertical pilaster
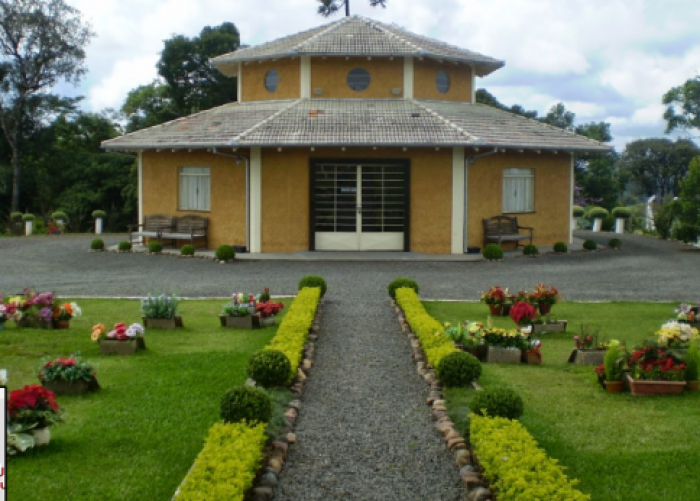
point(457, 200)
point(140, 185)
point(306, 76)
point(255, 200)
point(408, 77)
point(239, 83)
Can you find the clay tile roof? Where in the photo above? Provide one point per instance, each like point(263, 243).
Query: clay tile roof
point(359, 36)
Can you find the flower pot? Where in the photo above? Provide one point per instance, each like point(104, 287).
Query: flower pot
point(597, 225)
point(641, 387)
point(61, 324)
point(534, 358)
point(692, 385)
point(545, 309)
point(588, 357)
point(42, 436)
point(249, 322)
point(498, 355)
point(615, 386)
point(267, 321)
point(126, 347)
point(98, 225)
point(162, 323)
point(559, 326)
point(71, 387)
point(619, 225)
point(496, 309)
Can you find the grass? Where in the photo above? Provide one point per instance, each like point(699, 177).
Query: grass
point(620, 447)
point(137, 437)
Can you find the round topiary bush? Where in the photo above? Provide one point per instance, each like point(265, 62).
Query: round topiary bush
point(16, 216)
point(313, 281)
point(615, 243)
point(492, 252)
point(28, 217)
point(397, 283)
point(124, 246)
point(531, 250)
point(99, 213)
point(561, 247)
point(155, 247)
point(577, 211)
point(225, 253)
point(269, 368)
point(59, 214)
point(598, 213)
point(590, 245)
point(458, 369)
point(246, 402)
point(621, 213)
point(187, 250)
point(498, 402)
point(97, 244)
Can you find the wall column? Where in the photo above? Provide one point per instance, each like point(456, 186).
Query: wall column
point(571, 201)
point(458, 200)
point(305, 77)
point(140, 185)
point(408, 77)
point(255, 199)
point(239, 83)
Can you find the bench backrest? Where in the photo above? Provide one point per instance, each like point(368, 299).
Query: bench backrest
point(158, 222)
point(501, 225)
point(187, 224)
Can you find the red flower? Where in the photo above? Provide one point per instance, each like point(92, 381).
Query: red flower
point(521, 310)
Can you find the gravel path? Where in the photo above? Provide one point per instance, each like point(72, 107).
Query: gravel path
point(364, 431)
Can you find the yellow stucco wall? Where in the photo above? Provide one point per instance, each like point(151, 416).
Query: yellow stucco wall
point(552, 195)
point(253, 76)
point(424, 76)
point(161, 191)
point(330, 74)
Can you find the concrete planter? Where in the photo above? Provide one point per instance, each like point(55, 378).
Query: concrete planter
point(28, 228)
point(597, 225)
point(162, 323)
point(498, 355)
point(619, 225)
point(587, 357)
point(98, 225)
point(559, 326)
point(127, 347)
point(71, 387)
point(249, 322)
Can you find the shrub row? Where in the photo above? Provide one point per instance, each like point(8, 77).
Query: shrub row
point(294, 329)
point(429, 331)
point(515, 466)
point(226, 467)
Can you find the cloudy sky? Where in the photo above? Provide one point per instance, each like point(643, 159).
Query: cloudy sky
point(609, 60)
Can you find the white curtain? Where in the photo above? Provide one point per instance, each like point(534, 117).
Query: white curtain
point(518, 190)
point(194, 188)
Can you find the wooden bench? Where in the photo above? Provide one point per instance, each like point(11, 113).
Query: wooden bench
point(190, 228)
point(501, 229)
point(152, 227)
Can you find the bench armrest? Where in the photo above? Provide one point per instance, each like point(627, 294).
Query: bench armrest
point(131, 227)
point(526, 228)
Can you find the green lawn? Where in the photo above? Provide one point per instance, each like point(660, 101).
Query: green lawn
point(620, 447)
point(138, 436)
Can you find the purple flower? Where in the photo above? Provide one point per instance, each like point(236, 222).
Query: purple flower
point(45, 314)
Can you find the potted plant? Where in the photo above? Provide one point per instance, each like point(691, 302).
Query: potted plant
point(121, 340)
point(99, 216)
point(159, 312)
point(467, 337)
point(495, 297)
point(28, 223)
point(576, 212)
point(522, 313)
point(656, 370)
point(267, 312)
point(7, 312)
point(240, 313)
point(504, 346)
point(692, 366)
point(597, 214)
point(590, 347)
point(614, 367)
point(621, 215)
point(33, 310)
point(533, 355)
point(688, 314)
point(67, 376)
point(34, 408)
point(544, 296)
point(62, 315)
point(676, 335)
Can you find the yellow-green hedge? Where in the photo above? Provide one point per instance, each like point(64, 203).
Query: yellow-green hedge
point(225, 468)
point(429, 331)
point(293, 332)
point(515, 466)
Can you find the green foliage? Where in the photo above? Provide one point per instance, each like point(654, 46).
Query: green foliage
point(561, 247)
point(226, 467)
point(246, 403)
point(397, 283)
point(313, 281)
point(689, 210)
point(458, 369)
point(28, 217)
point(686, 232)
point(160, 306)
point(485, 97)
point(692, 361)
point(124, 246)
point(97, 244)
point(330, 7)
point(99, 213)
point(498, 401)
point(269, 368)
point(577, 211)
point(664, 216)
point(64, 370)
point(621, 213)
point(16, 216)
point(598, 213)
point(531, 250)
point(149, 105)
point(590, 245)
point(615, 243)
point(59, 214)
point(493, 252)
point(683, 106)
point(155, 247)
point(225, 253)
point(187, 250)
point(527, 473)
point(614, 362)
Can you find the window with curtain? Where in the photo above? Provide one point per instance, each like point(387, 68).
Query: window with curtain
point(194, 188)
point(518, 190)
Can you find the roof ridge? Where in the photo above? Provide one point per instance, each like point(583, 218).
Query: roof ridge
point(265, 121)
point(471, 137)
point(331, 27)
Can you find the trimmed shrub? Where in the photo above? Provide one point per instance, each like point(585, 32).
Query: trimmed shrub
point(458, 369)
point(577, 211)
point(397, 283)
point(155, 247)
point(598, 213)
point(16, 216)
point(28, 217)
point(225, 253)
point(498, 402)
point(590, 245)
point(99, 213)
point(615, 243)
point(621, 213)
point(531, 250)
point(59, 214)
point(493, 252)
point(187, 250)
point(692, 361)
point(687, 232)
point(269, 368)
point(313, 281)
point(124, 246)
point(246, 403)
point(97, 244)
point(561, 247)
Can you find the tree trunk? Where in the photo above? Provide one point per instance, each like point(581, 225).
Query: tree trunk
point(14, 144)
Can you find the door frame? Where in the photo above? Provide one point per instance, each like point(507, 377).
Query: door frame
point(405, 163)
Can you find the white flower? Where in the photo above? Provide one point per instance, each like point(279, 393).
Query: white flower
point(526, 330)
point(136, 328)
point(76, 309)
point(130, 332)
point(3, 376)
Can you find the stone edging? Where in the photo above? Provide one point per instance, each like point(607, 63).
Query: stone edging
point(464, 458)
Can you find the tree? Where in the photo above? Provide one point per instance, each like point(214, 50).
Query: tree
point(485, 97)
point(149, 105)
point(330, 7)
point(41, 42)
point(559, 116)
point(683, 106)
point(690, 203)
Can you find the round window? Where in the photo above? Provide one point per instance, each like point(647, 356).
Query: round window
point(442, 82)
point(358, 79)
point(272, 80)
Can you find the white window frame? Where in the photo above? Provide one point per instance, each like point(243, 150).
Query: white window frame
point(515, 181)
point(197, 179)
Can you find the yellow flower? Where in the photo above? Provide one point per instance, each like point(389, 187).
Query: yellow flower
point(95, 335)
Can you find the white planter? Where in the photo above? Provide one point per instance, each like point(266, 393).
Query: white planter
point(42, 436)
point(597, 224)
point(574, 222)
point(28, 227)
point(98, 225)
point(619, 225)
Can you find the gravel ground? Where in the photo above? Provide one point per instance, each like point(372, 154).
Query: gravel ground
point(364, 431)
point(645, 269)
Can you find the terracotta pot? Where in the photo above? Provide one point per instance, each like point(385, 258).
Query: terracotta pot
point(496, 309)
point(640, 387)
point(545, 309)
point(615, 386)
point(61, 324)
point(692, 385)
